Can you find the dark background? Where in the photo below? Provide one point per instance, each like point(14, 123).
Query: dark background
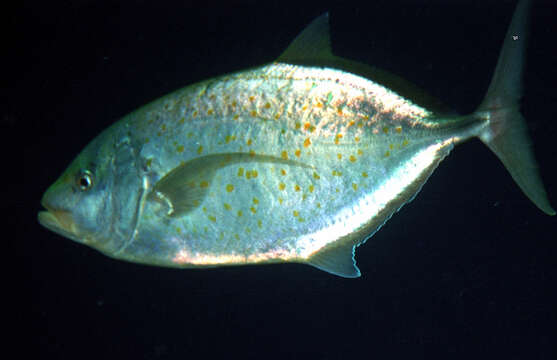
point(468, 269)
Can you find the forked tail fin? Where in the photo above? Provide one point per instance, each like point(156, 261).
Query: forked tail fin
point(506, 133)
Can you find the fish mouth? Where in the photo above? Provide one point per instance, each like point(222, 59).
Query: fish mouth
point(59, 221)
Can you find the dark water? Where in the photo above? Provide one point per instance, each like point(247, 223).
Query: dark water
point(468, 269)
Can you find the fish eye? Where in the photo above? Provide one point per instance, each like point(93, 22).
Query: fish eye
point(84, 180)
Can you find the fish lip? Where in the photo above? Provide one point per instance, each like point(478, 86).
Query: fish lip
point(59, 221)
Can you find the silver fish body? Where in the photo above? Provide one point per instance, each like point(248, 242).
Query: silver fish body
point(282, 163)
point(368, 152)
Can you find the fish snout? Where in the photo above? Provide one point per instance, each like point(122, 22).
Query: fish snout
point(57, 219)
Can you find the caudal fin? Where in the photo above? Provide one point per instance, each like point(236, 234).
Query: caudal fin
point(506, 134)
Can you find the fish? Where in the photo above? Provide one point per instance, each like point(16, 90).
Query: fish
point(298, 161)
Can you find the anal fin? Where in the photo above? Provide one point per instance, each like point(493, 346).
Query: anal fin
point(338, 260)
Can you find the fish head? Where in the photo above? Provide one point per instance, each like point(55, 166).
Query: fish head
point(94, 202)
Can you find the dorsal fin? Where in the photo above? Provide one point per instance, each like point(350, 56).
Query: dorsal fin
point(312, 45)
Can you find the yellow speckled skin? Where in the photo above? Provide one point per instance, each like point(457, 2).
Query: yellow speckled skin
point(355, 135)
point(279, 163)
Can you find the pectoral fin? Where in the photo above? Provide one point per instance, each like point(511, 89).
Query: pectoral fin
point(185, 187)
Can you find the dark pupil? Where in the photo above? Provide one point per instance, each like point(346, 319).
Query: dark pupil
point(84, 182)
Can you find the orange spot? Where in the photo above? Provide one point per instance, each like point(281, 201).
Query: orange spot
point(241, 172)
point(354, 186)
point(210, 112)
point(298, 126)
point(352, 158)
point(194, 113)
point(398, 129)
point(252, 209)
point(297, 187)
point(200, 149)
point(236, 117)
point(248, 142)
point(307, 126)
point(239, 213)
point(283, 172)
point(267, 105)
point(386, 130)
point(253, 113)
point(339, 156)
point(255, 201)
point(229, 187)
point(282, 186)
point(364, 174)
point(295, 213)
point(316, 176)
point(212, 218)
point(227, 206)
point(360, 152)
point(251, 153)
point(311, 188)
point(284, 155)
point(307, 142)
point(298, 152)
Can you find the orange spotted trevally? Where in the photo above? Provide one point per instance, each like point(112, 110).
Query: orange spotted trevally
point(300, 160)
